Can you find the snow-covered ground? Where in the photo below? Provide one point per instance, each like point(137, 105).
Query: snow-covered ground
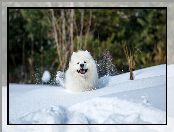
point(119, 100)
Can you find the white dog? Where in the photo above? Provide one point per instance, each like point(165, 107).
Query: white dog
point(82, 72)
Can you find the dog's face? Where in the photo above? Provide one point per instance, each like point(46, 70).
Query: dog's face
point(81, 63)
point(82, 67)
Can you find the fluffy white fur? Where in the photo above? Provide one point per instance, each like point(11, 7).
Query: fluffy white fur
point(85, 80)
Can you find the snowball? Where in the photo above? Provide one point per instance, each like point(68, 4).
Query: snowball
point(46, 77)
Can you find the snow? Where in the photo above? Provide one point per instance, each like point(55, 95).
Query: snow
point(60, 78)
point(46, 77)
point(99, 110)
point(113, 110)
point(118, 101)
point(35, 103)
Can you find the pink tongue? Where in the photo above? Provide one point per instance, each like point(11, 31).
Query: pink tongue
point(82, 71)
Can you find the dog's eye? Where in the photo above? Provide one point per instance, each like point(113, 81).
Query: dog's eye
point(84, 61)
point(77, 62)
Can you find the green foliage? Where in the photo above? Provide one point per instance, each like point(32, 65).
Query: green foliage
point(32, 45)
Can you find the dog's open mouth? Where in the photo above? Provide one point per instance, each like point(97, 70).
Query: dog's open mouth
point(82, 71)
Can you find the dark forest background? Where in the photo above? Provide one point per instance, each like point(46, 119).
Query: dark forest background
point(43, 39)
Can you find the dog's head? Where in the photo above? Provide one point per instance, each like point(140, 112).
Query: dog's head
point(81, 62)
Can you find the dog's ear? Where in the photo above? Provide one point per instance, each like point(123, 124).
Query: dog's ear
point(87, 52)
point(73, 53)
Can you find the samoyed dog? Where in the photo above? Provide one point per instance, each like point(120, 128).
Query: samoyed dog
point(82, 72)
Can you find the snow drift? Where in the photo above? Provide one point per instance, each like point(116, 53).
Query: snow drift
point(99, 110)
point(118, 101)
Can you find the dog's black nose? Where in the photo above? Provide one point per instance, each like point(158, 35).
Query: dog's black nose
point(82, 65)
